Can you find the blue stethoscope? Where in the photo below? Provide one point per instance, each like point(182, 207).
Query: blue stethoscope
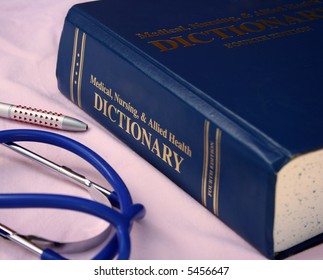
point(121, 215)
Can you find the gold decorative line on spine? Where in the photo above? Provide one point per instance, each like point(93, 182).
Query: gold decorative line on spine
point(79, 83)
point(217, 171)
point(206, 161)
point(76, 34)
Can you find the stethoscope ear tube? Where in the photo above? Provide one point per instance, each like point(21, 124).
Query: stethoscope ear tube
point(122, 219)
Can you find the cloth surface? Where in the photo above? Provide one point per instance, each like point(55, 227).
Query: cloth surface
point(175, 226)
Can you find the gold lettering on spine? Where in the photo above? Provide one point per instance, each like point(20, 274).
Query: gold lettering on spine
point(76, 34)
point(138, 132)
point(217, 171)
point(206, 161)
point(81, 71)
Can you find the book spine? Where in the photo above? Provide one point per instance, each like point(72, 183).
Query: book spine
point(133, 107)
point(188, 146)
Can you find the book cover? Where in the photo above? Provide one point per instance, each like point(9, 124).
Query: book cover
point(225, 98)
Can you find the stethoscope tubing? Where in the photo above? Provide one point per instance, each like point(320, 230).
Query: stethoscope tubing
point(122, 220)
point(31, 135)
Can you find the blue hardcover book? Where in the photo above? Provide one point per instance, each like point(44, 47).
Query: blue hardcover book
point(224, 97)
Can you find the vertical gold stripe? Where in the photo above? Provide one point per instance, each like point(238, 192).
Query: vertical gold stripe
point(76, 34)
point(217, 171)
point(206, 161)
point(79, 83)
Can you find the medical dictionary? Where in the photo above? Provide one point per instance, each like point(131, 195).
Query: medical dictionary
point(224, 97)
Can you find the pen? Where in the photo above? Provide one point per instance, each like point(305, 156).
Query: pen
point(41, 117)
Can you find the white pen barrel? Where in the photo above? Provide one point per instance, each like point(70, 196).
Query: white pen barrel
point(36, 116)
point(41, 117)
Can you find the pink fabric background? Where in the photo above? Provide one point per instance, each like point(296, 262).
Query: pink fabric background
point(175, 227)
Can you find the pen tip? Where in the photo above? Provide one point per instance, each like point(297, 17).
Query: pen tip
point(72, 124)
